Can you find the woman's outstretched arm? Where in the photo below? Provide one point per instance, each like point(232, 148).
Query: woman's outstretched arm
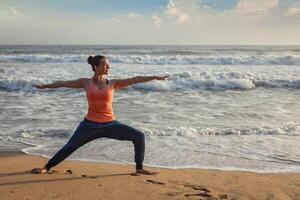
point(79, 83)
point(121, 83)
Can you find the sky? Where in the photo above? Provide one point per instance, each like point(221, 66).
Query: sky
point(151, 22)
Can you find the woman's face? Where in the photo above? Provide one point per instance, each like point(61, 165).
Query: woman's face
point(103, 67)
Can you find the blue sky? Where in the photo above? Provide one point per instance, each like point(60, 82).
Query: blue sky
point(111, 6)
point(108, 7)
point(220, 4)
point(150, 22)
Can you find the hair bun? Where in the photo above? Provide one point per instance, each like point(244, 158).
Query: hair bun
point(90, 60)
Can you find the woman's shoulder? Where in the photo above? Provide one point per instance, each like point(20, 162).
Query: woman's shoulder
point(110, 82)
point(85, 81)
point(113, 81)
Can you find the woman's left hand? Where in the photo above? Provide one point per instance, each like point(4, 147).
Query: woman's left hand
point(41, 86)
point(162, 77)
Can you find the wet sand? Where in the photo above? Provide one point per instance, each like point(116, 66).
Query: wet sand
point(88, 180)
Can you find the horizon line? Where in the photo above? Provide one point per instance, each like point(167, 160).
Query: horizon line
point(53, 44)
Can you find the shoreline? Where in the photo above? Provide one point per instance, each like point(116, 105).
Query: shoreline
point(90, 180)
point(168, 167)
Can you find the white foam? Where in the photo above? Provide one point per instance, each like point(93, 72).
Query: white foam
point(218, 81)
point(15, 85)
point(42, 58)
point(45, 133)
point(252, 59)
point(217, 59)
point(184, 82)
point(288, 129)
point(252, 153)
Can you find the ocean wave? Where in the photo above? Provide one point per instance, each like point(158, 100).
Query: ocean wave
point(32, 134)
point(45, 133)
point(25, 86)
point(234, 59)
point(42, 58)
point(217, 81)
point(288, 129)
point(16, 85)
point(209, 59)
point(185, 82)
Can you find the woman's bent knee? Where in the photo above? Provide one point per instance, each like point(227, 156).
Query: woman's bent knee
point(139, 137)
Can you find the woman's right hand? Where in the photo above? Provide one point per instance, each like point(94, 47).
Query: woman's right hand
point(161, 77)
point(41, 86)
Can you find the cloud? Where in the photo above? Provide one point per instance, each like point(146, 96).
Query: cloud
point(133, 15)
point(254, 10)
point(256, 7)
point(175, 11)
point(177, 22)
point(197, 13)
point(293, 10)
point(156, 21)
point(247, 22)
point(14, 11)
point(122, 17)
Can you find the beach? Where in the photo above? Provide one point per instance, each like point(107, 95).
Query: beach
point(224, 124)
point(90, 180)
point(96, 95)
point(204, 92)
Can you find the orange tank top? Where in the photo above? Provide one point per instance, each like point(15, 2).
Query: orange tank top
point(100, 102)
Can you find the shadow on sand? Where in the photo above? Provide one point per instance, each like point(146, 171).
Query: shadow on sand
point(69, 178)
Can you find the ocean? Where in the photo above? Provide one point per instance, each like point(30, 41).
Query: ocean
point(223, 107)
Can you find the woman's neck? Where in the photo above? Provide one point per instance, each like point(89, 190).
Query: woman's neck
point(99, 78)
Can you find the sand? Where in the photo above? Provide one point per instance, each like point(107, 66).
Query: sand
point(90, 181)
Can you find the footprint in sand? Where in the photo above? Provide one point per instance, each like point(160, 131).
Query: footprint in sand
point(173, 194)
point(222, 196)
point(204, 192)
point(200, 191)
point(68, 171)
point(87, 176)
point(197, 187)
point(155, 182)
point(198, 194)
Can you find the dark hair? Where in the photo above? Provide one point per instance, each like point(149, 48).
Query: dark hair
point(94, 60)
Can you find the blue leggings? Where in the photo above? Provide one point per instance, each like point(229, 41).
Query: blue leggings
point(89, 130)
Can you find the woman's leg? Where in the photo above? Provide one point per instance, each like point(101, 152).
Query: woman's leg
point(121, 131)
point(81, 136)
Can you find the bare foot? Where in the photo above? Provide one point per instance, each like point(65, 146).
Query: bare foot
point(143, 171)
point(40, 171)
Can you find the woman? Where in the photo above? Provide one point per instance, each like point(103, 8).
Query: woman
point(100, 121)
